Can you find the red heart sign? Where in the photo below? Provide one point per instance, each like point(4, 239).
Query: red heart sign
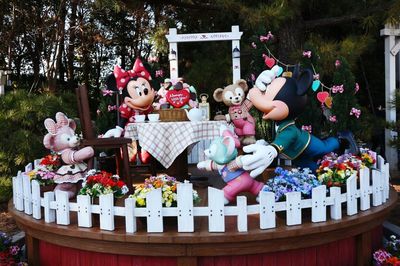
point(270, 62)
point(322, 96)
point(178, 98)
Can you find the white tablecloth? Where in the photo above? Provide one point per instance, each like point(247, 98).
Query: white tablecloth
point(166, 140)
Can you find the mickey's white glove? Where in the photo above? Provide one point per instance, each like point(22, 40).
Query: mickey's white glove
point(261, 158)
point(266, 77)
point(262, 142)
point(204, 165)
point(114, 133)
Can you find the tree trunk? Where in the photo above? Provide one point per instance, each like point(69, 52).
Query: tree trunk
point(291, 39)
point(71, 45)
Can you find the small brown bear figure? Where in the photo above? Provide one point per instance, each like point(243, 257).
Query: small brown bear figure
point(234, 96)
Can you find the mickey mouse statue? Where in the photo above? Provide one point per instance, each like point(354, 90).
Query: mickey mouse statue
point(282, 99)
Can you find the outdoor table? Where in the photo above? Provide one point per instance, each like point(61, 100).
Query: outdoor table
point(167, 142)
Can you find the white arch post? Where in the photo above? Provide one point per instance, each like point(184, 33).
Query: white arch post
point(392, 47)
point(174, 39)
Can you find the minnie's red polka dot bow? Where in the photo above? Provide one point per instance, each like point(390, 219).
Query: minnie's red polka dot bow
point(122, 77)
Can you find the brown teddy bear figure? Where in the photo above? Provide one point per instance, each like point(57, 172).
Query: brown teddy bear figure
point(234, 96)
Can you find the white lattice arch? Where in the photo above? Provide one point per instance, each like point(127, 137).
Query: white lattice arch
point(392, 47)
point(174, 38)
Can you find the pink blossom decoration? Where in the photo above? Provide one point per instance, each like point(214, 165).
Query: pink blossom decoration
point(159, 73)
point(111, 107)
point(316, 76)
point(307, 54)
point(337, 63)
point(253, 77)
point(253, 45)
point(98, 112)
point(152, 59)
point(337, 89)
point(266, 38)
point(356, 112)
point(357, 88)
point(307, 128)
point(14, 250)
point(332, 118)
point(106, 92)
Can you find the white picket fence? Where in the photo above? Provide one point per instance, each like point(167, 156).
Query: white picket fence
point(56, 206)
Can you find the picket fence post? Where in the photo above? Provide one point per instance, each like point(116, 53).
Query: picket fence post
point(293, 208)
point(36, 207)
point(62, 209)
point(49, 214)
point(19, 191)
point(376, 188)
point(27, 194)
point(154, 211)
point(351, 187)
point(106, 203)
point(242, 213)
point(216, 214)
point(267, 210)
point(318, 199)
point(84, 210)
point(185, 207)
point(336, 208)
point(365, 199)
point(130, 218)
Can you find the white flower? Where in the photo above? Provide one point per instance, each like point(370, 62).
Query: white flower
point(124, 189)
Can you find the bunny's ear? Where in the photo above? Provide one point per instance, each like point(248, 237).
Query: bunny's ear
point(230, 145)
point(62, 119)
point(72, 124)
point(48, 141)
point(51, 126)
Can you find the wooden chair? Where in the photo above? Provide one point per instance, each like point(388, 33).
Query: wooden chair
point(90, 139)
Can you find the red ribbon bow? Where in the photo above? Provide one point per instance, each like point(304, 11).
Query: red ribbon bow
point(122, 77)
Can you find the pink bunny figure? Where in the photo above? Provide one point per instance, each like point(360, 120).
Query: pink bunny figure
point(63, 140)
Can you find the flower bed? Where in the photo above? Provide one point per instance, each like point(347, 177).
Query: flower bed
point(390, 255)
point(9, 254)
point(301, 180)
point(45, 171)
point(101, 183)
point(168, 186)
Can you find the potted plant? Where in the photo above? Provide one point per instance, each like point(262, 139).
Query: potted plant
point(101, 183)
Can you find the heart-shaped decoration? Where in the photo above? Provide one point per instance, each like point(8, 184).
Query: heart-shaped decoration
point(322, 96)
point(315, 85)
point(279, 72)
point(178, 98)
point(328, 102)
point(269, 62)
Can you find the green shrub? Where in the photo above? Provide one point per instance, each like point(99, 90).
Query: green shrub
point(22, 129)
point(5, 189)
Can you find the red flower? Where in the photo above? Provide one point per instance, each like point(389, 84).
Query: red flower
point(120, 184)
point(342, 166)
point(325, 164)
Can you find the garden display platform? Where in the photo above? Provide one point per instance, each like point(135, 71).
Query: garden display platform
point(343, 227)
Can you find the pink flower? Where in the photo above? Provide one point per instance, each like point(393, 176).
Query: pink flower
point(332, 118)
point(266, 38)
point(307, 128)
point(111, 107)
point(253, 45)
point(337, 63)
point(307, 54)
point(159, 73)
point(14, 250)
point(381, 256)
point(337, 89)
point(356, 112)
point(357, 88)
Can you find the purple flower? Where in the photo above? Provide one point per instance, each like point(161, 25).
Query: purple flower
point(381, 255)
point(14, 250)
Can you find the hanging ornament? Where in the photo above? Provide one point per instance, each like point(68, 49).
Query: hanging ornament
point(322, 96)
point(315, 85)
point(269, 62)
point(328, 102)
point(287, 74)
point(279, 71)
